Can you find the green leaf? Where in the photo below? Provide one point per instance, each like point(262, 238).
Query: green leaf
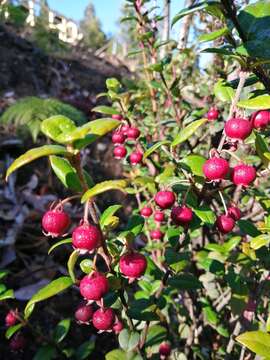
point(104, 186)
point(128, 340)
point(192, 9)
point(12, 330)
point(188, 131)
point(261, 148)
point(185, 282)
point(55, 287)
point(65, 173)
point(89, 132)
point(260, 241)
point(223, 91)
point(256, 341)
point(135, 225)
point(59, 243)
point(195, 163)
point(57, 125)
point(46, 352)
point(71, 264)
point(213, 35)
point(106, 110)
point(107, 214)
point(86, 265)
point(205, 214)
point(247, 227)
point(154, 148)
point(156, 334)
point(210, 315)
point(34, 154)
point(61, 330)
point(9, 294)
point(84, 350)
point(3, 273)
point(258, 103)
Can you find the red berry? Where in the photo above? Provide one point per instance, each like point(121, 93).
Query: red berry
point(84, 313)
point(235, 212)
point(213, 114)
point(11, 318)
point(156, 234)
point(215, 168)
point(118, 327)
point(225, 223)
point(146, 211)
point(159, 216)
point(103, 319)
point(132, 265)
point(118, 137)
point(260, 119)
point(238, 128)
point(55, 222)
point(133, 133)
point(181, 215)
point(117, 117)
point(124, 129)
point(164, 199)
point(165, 349)
point(243, 174)
point(94, 286)
point(120, 152)
point(17, 342)
point(86, 237)
point(135, 157)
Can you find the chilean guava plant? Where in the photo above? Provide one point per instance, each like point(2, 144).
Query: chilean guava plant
point(188, 275)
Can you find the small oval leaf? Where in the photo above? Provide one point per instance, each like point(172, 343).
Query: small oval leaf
point(104, 186)
point(188, 131)
point(34, 154)
point(108, 213)
point(59, 243)
point(106, 110)
point(12, 330)
point(154, 148)
point(55, 126)
point(71, 264)
point(55, 287)
point(61, 330)
point(65, 173)
point(223, 91)
point(258, 103)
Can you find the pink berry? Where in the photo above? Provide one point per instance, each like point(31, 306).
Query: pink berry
point(120, 152)
point(181, 215)
point(159, 216)
point(165, 349)
point(117, 117)
point(118, 137)
point(260, 119)
point(55, 222)
point(146, 211)
point(133, 133)
point(156, 234)
point(11, 318)
point(164, 199)
point(243, 174)
point(132, 265)
point(215, 168)
point(135, 157)
point(118, 327)
point(84, 314)
point(235, 212)
point(238, 128)
point(213, 114)
point(86, 237)
point(94, 286)
point(17, 342)
point(103, 319)
point(124, 129)
point(225, 223)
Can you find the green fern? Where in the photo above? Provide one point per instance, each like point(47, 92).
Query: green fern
point(27, 114)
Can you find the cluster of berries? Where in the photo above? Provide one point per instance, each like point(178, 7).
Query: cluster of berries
point(180, 214)
point(87, 238)
point(120, 136)
point(18, 340)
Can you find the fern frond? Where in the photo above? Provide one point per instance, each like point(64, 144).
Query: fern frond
point(27, 114)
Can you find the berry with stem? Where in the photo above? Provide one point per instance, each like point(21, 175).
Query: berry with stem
point(132, 265)
point(216, 168)
point(225, 223)
point(212, 114)
point(181, 215)
point(243, 174)
point(165, 199)
point(135, 157)
point(94, 286)
point(159, 216)
point(84, 313)
point(103, 319)
point(156, 234)
point(86, 237)
point(238, 128)
point(11, 318)
point(55, 222)
point(146, 211)
point(119, 152)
